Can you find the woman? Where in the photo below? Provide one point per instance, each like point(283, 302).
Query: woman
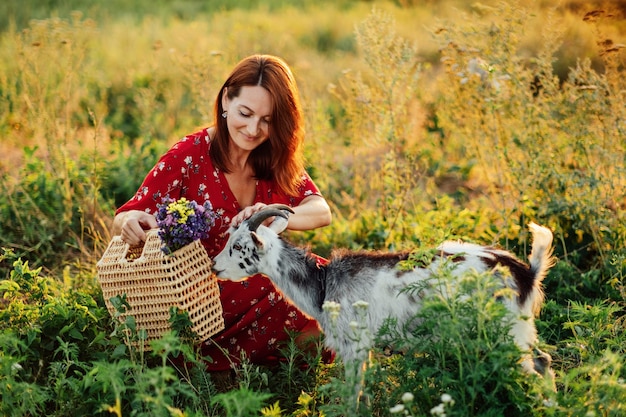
point(250, 157)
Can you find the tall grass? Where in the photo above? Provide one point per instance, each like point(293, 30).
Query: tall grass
point(469, 129)
point(545, 149)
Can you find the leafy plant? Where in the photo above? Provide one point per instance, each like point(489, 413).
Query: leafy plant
point(468, 134)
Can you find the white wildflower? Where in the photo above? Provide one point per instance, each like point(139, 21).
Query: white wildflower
point(447, 399)
point(332, 308)
point(354, 325)
point(396, 409)
point(407, 397)
point(361, 304)
point(549, 403)
point(438, 411)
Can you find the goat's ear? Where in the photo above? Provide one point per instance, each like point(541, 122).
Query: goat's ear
point(279, 224)
point(257, 240)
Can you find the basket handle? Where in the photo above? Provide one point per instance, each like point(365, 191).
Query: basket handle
point(135, 252)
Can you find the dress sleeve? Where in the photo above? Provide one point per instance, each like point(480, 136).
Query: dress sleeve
point(269, 195)
point(307, 188)
point(171, 174)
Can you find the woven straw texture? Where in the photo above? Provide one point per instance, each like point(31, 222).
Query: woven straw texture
point(154, 282)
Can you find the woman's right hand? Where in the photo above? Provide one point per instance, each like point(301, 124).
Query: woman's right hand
point(131, 226)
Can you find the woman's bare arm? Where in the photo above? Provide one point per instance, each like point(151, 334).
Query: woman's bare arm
point(313, 212)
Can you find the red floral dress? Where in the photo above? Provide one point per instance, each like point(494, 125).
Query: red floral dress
point(255, 313)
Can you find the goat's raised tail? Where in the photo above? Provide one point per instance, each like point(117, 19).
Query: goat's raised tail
point(540, 258)
point(541, 253)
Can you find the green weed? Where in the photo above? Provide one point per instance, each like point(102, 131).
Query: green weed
point(469, 132)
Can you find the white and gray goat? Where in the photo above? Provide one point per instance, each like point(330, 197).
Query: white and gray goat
point(377, 279)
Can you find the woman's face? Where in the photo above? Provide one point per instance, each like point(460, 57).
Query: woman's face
point(248, 117)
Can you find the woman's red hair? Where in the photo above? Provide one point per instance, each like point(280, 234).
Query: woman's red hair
point(280, 158)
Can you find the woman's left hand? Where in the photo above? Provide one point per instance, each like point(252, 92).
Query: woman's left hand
point(246, 213)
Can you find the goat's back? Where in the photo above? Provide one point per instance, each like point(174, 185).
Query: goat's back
point(379, 279)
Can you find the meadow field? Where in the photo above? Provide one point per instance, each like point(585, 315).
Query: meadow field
point(426, 120)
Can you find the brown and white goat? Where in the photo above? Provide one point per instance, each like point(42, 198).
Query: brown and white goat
point(377, 279)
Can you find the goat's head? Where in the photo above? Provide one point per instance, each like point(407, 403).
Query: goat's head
point(247, 244)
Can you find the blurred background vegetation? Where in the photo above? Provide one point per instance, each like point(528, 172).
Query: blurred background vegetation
point(426, 120)
point(422, 92)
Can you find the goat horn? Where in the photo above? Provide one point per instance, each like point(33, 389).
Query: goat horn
point(260, 216)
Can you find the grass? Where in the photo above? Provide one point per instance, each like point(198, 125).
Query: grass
point(423, 123)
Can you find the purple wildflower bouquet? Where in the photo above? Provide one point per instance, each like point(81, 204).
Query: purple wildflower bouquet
point(182, 221)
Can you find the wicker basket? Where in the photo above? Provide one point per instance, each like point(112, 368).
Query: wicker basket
point(154, 282)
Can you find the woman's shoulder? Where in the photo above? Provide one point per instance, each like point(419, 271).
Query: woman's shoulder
point(192, 150)
point(201, 138)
